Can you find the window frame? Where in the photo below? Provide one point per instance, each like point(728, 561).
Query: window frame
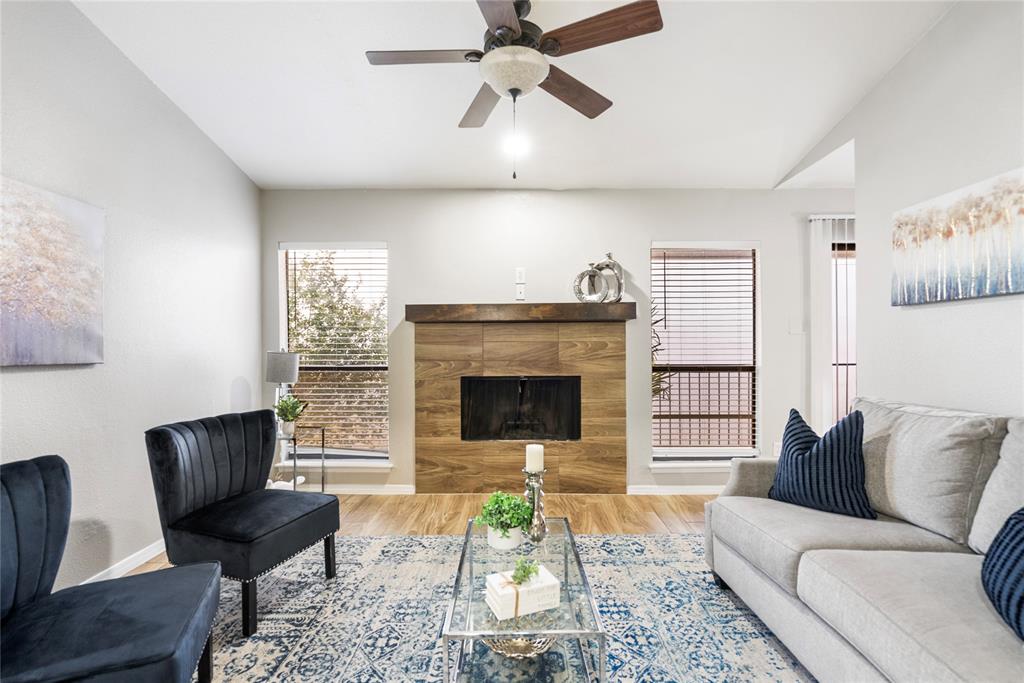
point(282, 330)
point(666, 457)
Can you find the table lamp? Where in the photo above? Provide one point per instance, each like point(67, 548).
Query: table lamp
point(283, 370)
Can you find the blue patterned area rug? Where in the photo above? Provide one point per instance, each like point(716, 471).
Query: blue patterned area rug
point(380, 619)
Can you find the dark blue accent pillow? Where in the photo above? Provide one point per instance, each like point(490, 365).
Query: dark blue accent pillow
point(1002, 572)
point(824, 473)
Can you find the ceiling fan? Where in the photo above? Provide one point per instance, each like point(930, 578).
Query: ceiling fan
point(514, 58)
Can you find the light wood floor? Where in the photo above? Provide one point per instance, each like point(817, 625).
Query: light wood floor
point(430, 514)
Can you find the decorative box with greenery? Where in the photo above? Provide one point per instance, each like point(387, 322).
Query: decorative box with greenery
point(527, 589)
point(504, 511)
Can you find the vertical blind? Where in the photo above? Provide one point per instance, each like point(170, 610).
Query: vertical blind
point(704, 375)
point(337, 323)
point(844, 325)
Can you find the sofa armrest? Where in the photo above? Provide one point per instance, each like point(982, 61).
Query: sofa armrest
point(750, 477)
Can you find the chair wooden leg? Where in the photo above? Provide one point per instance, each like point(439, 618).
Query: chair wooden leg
point(205, 671)
point(249, 604)
point(329, 558)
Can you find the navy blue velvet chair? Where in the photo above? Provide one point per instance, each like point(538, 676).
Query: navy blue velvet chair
point(149, 627)
point(210, 477)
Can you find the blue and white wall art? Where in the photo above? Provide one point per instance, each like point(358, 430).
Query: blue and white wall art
point(963, 245)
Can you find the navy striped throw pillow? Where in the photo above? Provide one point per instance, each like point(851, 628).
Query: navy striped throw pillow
point(824, 473)
point(1002, 573)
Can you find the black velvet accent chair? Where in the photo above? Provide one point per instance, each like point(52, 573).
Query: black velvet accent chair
point(148, 627)
point(210, 477)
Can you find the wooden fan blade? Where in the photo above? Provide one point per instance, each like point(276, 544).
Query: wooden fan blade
point(628, 21)
point(498, 13)
point(586, 101)
point(481, 107)
point(421, 56)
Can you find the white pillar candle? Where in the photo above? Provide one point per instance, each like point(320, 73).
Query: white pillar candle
point(534, 457)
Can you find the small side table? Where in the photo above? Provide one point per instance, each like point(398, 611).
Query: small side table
point(295, 454)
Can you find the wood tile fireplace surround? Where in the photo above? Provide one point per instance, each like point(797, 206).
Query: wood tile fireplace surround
point(520, 340)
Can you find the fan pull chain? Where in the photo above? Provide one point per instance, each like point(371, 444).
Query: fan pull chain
point(515, 138)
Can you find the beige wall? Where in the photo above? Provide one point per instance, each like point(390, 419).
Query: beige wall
point(181, 282)
point(463, 247)
point(949, 115)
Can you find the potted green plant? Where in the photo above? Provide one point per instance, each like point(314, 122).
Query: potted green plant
point(525, 570)
point(288, 409)
point(506, 516)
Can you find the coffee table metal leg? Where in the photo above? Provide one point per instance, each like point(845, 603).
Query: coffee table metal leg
point(295, 465)
point(447, 664)
point(465, 654)
point(452, 673)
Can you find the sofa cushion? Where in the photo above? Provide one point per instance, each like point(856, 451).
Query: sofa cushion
point(825, 473)
point(148, 627)
point(773, 536)
point(1002, 573)
point(253, 532)
point(916, 616)
point(928, 466)
point(1004, 492)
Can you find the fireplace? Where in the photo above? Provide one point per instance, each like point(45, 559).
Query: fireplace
point(520, 408)
point(490, 378)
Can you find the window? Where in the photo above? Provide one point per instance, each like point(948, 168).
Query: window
point(844, 327)
point(337, 320)
point(831, 306)
point(704, 352)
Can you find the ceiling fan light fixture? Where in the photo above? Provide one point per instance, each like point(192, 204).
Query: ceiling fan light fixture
point(514, 67)
point(516, 145)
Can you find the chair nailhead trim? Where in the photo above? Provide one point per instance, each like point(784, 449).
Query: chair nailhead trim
point(270, 569)
point(196, 665)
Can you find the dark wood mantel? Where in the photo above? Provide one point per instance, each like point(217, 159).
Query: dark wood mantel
point(573, 312)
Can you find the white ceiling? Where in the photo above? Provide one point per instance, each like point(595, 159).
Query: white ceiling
point(728, 94)
point(834, 170)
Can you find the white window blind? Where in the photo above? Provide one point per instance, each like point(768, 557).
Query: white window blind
point(337, 321)
point(704, 368)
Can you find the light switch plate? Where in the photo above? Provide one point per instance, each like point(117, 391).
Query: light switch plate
point(520, 275)
point(520, 292)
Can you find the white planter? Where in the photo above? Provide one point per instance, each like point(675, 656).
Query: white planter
point(287, 428)
point(499, 542)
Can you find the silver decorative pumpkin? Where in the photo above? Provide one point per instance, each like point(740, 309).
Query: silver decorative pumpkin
point(616, 280)
point(596, 290)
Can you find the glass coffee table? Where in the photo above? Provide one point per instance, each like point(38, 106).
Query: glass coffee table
point(568, 637)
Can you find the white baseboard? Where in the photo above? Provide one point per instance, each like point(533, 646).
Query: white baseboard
point(310, 464)
point(136, 559)
point(368, 489)
point(687, 490)
point(722, 467)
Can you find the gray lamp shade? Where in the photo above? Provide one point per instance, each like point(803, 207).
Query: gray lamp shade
point(282, 367)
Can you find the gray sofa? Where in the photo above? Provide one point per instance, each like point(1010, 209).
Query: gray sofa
point(898, 598)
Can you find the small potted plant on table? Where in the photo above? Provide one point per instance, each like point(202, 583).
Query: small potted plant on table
point(288, 410)
point(506, 516)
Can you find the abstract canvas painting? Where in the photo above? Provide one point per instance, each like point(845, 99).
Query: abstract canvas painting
point(962, 245)
point(51, 278)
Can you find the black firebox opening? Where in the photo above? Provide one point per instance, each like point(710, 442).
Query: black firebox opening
point(521, 408)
